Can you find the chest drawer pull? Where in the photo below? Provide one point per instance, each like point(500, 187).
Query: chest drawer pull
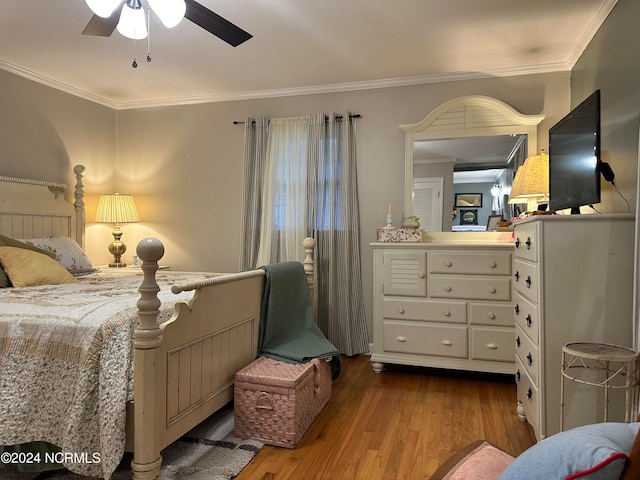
point(491, 315)
point(422, 275)
point(447, 263)
point(528, 243)
point(529, 393)
point(517, 242)
point(492, 346)
point(528, 281)
point(447, 288)
point(517, 309)
point(447, 343)
point(493, 264)
point(516, 276)
point(529, 359)
point(492, 289)
point(529, 320)
point(401, 339)
point(518, 341)
point(446, 313)
point(518, 375)
point(400, 310)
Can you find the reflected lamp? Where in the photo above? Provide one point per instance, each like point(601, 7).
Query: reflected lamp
point(531, 182)
point(117, 208)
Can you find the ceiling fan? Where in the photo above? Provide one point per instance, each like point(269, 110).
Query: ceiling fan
point(128, 17)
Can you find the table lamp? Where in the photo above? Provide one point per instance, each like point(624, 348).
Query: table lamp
point(531, 182)
point(117, 208)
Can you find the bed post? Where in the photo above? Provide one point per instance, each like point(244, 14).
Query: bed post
point(148, 337)
point(309, 270)
point(79, 204)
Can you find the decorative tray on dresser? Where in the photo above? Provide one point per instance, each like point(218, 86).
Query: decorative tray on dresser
point(445, 302)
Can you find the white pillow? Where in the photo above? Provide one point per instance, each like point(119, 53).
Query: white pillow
point(67, 252)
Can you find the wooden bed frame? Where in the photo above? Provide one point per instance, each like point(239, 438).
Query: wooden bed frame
point(184, 368)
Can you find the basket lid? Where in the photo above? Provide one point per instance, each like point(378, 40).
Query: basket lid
point(268, 371)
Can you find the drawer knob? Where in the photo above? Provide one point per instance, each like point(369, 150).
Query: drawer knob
point(447, 288)
point(492, 264)
point(518, 342)
point(492, 289)
point(491, 315)
point(528, 281)
point(516, 276)
point(447, 263)
point(422, 275)
point(528, 243)
point(401, 339)
point(518, 375)
point(492, 346)
point(517, 242)
point(447, 343)
point(517, 309)
point(400, 310)
point(529, 393)
point(529, 320)
point(529, 359)
point(446, 313)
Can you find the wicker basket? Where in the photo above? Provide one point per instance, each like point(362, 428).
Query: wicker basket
point(275, 402)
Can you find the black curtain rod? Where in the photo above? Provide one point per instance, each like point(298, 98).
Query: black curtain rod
point(338, 117)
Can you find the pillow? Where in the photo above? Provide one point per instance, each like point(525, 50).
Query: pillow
point(12, 242)
point(27, 268)
point(480, 460)
point(66, 251)
point(591, 452)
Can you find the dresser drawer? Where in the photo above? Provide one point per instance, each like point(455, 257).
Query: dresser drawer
point(425, 339)
point(526, 241)
point(497, 314)
point(473, 288)
point(475, 263)
point(525, 279)
point(526, 314)
point(528, 396)
point(528, 354)
point(492, 343)
point(430, 310)
point(404, 273)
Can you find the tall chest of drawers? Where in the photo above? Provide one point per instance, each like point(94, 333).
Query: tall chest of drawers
point(572, 281)
point(443, 305)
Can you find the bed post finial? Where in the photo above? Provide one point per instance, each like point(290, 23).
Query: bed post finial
point(79, 170)
point(309, 245)
point(148, 337)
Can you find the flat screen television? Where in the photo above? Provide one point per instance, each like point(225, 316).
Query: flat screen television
point(574, 157)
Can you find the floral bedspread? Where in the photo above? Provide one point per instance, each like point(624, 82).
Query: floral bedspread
point(66, 361)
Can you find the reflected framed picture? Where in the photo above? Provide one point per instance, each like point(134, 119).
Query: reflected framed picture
point(468, 217)
point(468, 200)
point(492, 221)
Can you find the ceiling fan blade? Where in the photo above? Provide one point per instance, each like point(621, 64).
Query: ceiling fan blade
point(102, 27)
point(214, 23)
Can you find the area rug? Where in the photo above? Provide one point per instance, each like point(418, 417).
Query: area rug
point(208, 452)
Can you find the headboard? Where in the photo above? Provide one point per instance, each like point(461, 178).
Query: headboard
point(36, 208)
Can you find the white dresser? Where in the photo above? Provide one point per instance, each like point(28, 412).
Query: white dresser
point(444, 304)
point(573, 282)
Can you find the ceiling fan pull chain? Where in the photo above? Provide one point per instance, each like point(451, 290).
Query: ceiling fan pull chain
point(148, 34)
point(134, 64)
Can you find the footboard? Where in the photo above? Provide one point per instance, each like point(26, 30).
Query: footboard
point(185, 368)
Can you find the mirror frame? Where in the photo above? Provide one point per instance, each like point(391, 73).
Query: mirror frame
point(467, 116)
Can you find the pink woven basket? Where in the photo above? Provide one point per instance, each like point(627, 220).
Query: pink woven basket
point(275, 402)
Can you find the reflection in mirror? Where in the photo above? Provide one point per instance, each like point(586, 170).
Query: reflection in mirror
point(463, 135)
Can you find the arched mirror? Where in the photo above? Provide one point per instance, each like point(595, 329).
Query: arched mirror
point(466, 134)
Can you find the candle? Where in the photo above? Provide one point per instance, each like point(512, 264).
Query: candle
point(389, 210)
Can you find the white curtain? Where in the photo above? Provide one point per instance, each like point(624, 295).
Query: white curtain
point(309, 188)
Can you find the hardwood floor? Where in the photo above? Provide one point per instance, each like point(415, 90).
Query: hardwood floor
point(400, 424)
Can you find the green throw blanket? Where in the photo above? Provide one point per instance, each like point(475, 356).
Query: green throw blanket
point(288, 331)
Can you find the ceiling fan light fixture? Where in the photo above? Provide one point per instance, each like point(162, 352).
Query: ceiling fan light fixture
point(103, 8)
point(132, 23)
point(170, 12)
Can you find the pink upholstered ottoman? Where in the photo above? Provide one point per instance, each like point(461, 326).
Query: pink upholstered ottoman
point(275, 402)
